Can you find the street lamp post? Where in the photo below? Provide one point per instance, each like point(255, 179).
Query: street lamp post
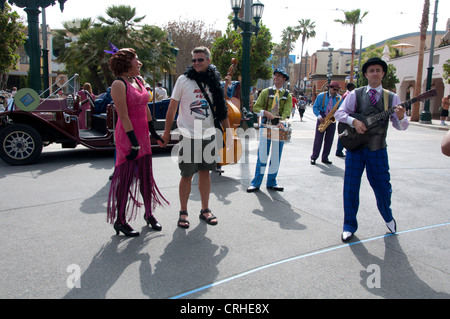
point(425, 116)
point(330, 66)
point(32, 10)
point(254, 11)
point(45, 71)
point(357, 75)
point(306, 70)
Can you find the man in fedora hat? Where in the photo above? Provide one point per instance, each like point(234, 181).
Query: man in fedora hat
point(275, 104)
point(322, 106)
point(373, 156)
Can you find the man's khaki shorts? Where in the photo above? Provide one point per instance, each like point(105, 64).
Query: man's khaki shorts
point(197, 155)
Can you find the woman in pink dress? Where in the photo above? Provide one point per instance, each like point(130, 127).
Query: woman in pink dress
point(133, 168)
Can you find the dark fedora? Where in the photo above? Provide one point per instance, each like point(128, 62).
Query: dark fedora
point(374, 61)
point(283, 73)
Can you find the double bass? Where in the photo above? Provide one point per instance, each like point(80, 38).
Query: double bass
point(231, 156)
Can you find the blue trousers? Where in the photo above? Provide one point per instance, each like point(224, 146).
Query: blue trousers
point(325, 138)
point(339, 148)
point(377, 170)
point(263, 157)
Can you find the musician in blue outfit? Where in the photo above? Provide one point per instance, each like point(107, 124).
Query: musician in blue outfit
point(323, 105)
point(274, 104)
point(232, 87)
point(372, 154)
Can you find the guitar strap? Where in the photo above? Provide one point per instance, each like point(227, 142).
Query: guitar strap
point(211, 106)
point(386, 99)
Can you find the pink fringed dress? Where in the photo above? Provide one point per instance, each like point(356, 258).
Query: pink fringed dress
point(136, 176)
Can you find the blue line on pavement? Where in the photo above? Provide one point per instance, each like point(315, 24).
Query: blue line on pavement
point(243, 274)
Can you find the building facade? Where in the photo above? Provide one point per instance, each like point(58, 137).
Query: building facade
point(407, 67)
point(23, 66)
point(328, 65)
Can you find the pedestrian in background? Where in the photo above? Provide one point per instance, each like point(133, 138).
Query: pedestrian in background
point(301, 106)
point(445, 107)
point(87, 103)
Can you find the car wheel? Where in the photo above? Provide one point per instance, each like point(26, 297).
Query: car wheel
point(20, 144)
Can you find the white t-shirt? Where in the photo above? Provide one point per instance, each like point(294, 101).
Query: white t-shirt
point(195, 119)
point(161, 93)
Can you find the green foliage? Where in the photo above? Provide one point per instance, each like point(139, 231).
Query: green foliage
point(186, 35)
point(155, 52)
point(389, 81)
point(86, 56)
point(373, 51)
point(230, 46)
point(306, 29)
point(446, 67)
point(12, 36)
point(352, 18)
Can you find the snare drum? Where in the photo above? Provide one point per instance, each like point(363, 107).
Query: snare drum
point(274, 133)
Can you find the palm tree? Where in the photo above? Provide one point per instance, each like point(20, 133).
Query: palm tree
point(122, 15)
point(278, 54)
point(94, 41)
point(290, 35)
point(306, 30)
point(155, 51)
point(86, 55)
point(423, 36)
point(78, 56)
point(352, 18)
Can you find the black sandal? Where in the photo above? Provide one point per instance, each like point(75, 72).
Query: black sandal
point(210, 218)
point(182, 222)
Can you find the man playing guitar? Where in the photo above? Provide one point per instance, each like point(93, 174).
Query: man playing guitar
point(371, 156)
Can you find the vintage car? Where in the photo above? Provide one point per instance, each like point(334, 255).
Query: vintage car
point(24, 133)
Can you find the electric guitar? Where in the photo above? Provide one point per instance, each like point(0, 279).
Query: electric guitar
point(371, 118)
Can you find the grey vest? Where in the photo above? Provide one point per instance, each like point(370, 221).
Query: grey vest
point(377, 135)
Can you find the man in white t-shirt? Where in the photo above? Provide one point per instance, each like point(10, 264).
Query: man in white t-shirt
point(195, 119)
point(161, 93)
point(196, 122)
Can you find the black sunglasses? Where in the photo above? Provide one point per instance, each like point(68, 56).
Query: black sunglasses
point(198, 60)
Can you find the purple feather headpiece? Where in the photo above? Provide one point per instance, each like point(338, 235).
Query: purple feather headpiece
point(113, 49)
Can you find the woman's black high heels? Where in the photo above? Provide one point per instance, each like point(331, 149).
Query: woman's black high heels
point(152, 221)
point(126, 229)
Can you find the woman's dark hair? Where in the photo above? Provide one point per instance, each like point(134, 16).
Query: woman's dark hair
point(120, 62)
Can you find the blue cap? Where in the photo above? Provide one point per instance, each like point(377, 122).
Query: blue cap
point(283, 73)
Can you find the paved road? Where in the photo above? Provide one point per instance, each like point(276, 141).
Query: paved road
point(266, 245)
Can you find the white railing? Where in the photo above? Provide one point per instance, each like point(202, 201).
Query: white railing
point(75, 86)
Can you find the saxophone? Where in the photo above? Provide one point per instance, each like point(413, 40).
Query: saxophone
point(329, 118)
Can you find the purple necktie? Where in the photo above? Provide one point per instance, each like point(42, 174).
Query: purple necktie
point(330, 105)
point(372, 97)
